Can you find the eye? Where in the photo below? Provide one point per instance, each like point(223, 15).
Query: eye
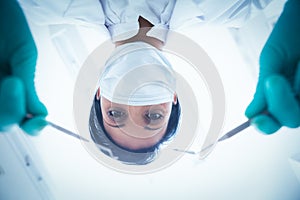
point(154, 116)
point(116, 115)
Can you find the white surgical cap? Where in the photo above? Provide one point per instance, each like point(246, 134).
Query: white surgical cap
point(138, 74)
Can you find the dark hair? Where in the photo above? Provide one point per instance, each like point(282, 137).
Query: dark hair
point(172, 127)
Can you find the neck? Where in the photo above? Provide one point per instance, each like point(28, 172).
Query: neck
point(145, 26)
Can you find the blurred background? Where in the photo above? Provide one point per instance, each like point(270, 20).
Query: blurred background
point(56, 166)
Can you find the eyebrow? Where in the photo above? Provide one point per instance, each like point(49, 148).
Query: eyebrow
point(115, 126)
point(152, 129)
point(122, 125)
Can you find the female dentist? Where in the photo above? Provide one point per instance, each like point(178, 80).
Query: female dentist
point(277, 86)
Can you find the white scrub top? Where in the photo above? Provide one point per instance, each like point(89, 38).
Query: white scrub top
point(121, 16)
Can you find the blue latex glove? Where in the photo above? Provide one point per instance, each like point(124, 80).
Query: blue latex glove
point(279, 78)
point(18, 55)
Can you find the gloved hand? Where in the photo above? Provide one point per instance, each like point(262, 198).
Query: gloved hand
point(279, 78)
point(18, 55)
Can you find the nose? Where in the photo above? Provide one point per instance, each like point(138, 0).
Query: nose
point(136, 123)
point(136, 115)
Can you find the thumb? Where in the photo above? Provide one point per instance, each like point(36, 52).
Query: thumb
point(13, 107)
point(258, 103)
point(34, 125)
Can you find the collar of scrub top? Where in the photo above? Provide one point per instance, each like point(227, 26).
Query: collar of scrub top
point(122, 22)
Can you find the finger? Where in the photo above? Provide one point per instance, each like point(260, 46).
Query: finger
point(34, 125)
point(281, 100)
point(258, 104)
point(265, 124)
point(12, 101)
point(297, 80)
point(271, 63)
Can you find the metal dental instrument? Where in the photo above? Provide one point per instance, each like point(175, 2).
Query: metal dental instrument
point(67, 131)
point(229, 134)
point(235, 131)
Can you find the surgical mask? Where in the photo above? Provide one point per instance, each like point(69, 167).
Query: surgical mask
point(138, 74)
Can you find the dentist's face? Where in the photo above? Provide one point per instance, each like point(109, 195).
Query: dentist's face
point(135, 127)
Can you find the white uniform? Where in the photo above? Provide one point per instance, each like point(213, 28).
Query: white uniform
point(119, 16)
point(122, 16)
